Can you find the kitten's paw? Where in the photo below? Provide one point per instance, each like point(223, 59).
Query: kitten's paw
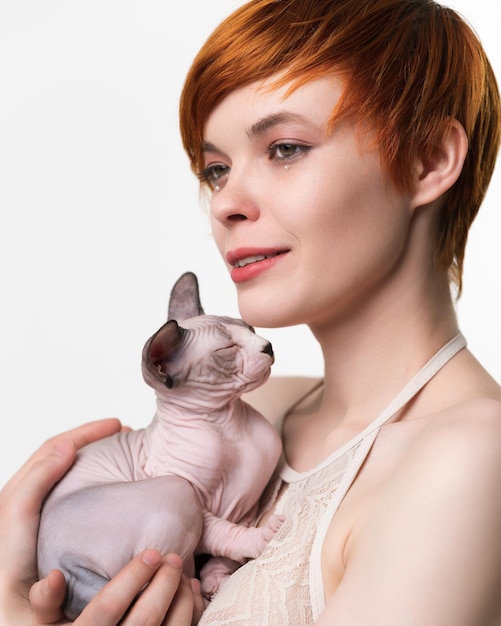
point(269, 530)
point(215, 573)
point(275, 522)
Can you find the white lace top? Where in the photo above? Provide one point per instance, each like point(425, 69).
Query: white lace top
point(284, 586)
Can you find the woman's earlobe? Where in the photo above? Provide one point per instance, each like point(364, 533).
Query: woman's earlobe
point(436, 174)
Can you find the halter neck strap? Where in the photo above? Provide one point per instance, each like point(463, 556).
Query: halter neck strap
point(425, 374)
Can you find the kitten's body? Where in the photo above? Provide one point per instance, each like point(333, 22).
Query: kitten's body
point(188, 482)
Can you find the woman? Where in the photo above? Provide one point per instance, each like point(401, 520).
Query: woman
point(346, 147)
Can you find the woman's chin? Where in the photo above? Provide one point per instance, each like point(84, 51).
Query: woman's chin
point(271, 316)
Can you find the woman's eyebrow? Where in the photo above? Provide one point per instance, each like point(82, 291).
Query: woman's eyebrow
point(207, 146)
point(263, 125)
point(274, 119)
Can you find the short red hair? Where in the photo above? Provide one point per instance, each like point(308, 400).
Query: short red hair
point(410, 67)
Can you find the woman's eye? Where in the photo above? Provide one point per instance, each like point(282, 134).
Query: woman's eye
point(213, 174)
point(287, 151)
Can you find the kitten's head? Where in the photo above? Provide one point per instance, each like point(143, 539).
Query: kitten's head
point(206, 357)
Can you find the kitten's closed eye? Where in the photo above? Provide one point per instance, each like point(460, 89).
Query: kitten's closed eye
point(227, 349)
point(226, 356)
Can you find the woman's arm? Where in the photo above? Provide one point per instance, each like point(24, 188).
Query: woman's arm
point(20, 504)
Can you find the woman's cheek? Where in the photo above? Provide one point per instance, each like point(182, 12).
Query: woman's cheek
point(219, 234)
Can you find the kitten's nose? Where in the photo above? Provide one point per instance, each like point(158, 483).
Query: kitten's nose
point(268, 349)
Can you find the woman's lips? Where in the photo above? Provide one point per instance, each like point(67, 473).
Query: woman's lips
point(250, 259)
point(248, 263)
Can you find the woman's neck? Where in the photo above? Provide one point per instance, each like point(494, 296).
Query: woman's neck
point(369, 356)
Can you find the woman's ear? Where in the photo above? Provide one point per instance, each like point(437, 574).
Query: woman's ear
point(438, 173)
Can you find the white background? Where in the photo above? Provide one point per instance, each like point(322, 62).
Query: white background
point(100, 212)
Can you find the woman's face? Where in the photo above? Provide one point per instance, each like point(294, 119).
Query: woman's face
point(306, 221)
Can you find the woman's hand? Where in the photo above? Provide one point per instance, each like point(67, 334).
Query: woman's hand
point(20, 504)
point(169, 598)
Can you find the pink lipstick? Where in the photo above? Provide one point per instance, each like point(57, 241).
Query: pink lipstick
point(247, 263)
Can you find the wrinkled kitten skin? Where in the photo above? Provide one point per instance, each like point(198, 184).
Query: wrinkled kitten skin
point(189, 482)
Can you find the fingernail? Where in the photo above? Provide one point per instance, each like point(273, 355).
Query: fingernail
point(152, 558)
point(175, 560)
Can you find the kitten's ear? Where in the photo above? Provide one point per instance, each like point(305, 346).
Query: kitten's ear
point(185, 298)
point(162, 348)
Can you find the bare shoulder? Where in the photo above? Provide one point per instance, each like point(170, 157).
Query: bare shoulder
point(425, 538)
point(472, 427)
point(279, 393)
point(455, 456)
point(464, 416)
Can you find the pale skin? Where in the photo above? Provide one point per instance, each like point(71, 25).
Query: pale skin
point(416, 540)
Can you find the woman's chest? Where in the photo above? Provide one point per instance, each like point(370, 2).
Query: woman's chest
point(309, 501)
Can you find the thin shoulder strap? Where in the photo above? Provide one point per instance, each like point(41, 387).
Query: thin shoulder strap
point(425, 374)
point(366, 440)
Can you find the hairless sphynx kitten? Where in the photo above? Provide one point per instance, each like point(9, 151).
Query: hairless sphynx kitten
point(190, 481)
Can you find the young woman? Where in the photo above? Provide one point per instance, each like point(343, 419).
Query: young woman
point(346, 146)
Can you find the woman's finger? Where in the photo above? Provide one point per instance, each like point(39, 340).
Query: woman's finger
point(110, 605)
point(181, 610)
point(46, 598)
point(199, 603)
point(80, 436)
point(91, 431)
point(24, 496)
point(156, 599)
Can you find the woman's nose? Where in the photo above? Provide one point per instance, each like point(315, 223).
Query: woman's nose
point(234, 201)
